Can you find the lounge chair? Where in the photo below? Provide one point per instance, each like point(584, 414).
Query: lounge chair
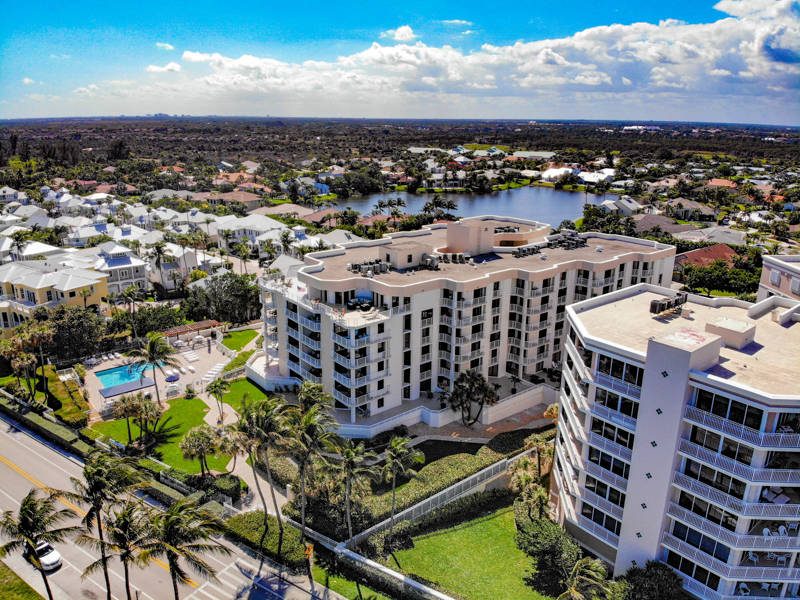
point(105, 357)
point(191, 368)
point(742, 590)
point(182, 370)
point(169, 372)
point(117, 355)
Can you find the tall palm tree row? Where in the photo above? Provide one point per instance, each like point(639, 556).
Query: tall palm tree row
point(355, 466)
point(400, 459)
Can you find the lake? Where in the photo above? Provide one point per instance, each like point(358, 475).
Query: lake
point(543, 204)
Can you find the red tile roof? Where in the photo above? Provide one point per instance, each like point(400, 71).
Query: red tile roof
point(704, 257)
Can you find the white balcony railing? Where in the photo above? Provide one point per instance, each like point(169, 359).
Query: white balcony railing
point(747, 434)
point(311, 342)
point(747, 509)
point(747, 473)
point(617, 385)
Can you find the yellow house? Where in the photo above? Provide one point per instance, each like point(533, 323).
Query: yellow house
point(28, 285)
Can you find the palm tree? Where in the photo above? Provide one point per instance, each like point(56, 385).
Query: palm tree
point(159, 253)
point(128, 407)
point(552, 413)
point(156, 354)
point(262, 426)
point(356, 464)
point(515, 381)
point(126, 530)
point(218, 388)
point(399, 460)
point(20, 239)
point(197, 444)
point(311, 430)
point(227, 235)
point(286, 240)
point(149, 413)
point(25, 363)
point(112, 299)
point(244, 253)
point(105, 479)
point(37, 521)
point(85, 294)
point(40, 334)
point(543, 449)
point(586, 580)
point(130, 296)
point(183, 532)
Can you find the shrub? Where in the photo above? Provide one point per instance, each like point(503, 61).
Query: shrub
point(247, 528)
point(68, 395)
point(150, 466)
point(83, 449)
point(239, 361)
point(229, 485)
point(190, 392)
point(197, 497)
point(283, 470)
point(215, 509)
point(162, 493)
point(89, 435)
point(382, 439)
point(80, 371)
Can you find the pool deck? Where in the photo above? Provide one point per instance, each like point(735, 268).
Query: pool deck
point(125, 388)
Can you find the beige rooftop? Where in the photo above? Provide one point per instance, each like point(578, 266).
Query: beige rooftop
point(335, 267)
point(770, 364)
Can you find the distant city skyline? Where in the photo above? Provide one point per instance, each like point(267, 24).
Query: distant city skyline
point(736, 61)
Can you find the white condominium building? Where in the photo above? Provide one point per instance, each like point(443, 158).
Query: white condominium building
point(385, 323)
point(679, 438)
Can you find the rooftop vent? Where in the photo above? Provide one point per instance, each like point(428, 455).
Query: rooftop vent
point(735, 334)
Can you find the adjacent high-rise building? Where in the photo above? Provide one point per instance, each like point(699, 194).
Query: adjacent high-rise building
point(679, 438)
point(383, 323)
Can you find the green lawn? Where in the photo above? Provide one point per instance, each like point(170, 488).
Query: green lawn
point(240, 387)
point(477, 559)
point(14, 588)
point(179, 418)
point(236, 340)
point(486, 147)
point(345, 587)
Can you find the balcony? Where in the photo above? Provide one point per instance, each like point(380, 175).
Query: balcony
point(535, 343)
point(724, 569)
point(598, 283)
point(498, 310)
point(310, 324)
point(752, 436)
point(445, 372)
point(272, 336)
point(518, 291)
point(582, 281)
point(291, 314)
point(271, 317)
point(310, 342)
point(314, 362)
point(470, 303)
point(446, 337)
point(471, 320)
point(740, 542)
point(425, 358)
point(445, 354)
point(539, 309)
point(579, 298)
point(494, 344)
point(497, 293)
point(515, 342)
point(562, 283)
point(743, 471)
point(538, 326)
point(425, 375)
point(747, 509)
point(366, 340)
point(304, 373)
point(426, 322)
point(425, 341)
point(613, 383)
point(444, 320)
point(536, 292)
point(401, 308)
point(589, 525)
point(518, 325)
point(355, 363)
point(359, 381)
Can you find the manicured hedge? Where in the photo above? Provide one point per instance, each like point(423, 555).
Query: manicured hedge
point(215, 509)
point(229, 485)
point(239, 361)
point(380, 441)
point(247, 529)
point(69, 395)
point(150, 466)
point(197, 497)
point(162, 493)
point(89, 435)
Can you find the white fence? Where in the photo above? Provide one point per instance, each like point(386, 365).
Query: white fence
point(447, 495)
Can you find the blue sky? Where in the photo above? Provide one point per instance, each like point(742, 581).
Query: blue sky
point(738, 60)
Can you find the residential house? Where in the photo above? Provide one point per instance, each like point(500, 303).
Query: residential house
point(714, 233)
point(122, 265)
point(780, 277)
point(8, 194)
point(250, 201)
point(28, 285)
point(703, 257)
point(625, 205)
point(689, 210)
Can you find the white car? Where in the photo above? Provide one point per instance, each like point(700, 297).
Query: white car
point(48, 556)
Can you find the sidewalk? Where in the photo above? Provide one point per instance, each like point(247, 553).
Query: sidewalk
point(31, 576)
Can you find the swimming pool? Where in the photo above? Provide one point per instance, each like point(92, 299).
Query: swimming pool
point(121, 375)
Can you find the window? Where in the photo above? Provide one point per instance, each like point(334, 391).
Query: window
point(609, 463)
point(706, 544)
point(123, 274)
point(381, 327)
point(709, 511)
point(715, 479)
point(795, 286)
point(604, 490)
point(409, 259)
point(696, 572)
point(601, 518)
point(610, 432)
point(618, 403)
point(380, 402)
point(620, 370)
point(775, 277)
point(72, 294)
point(732, 410)
point(49, 295)
point(388, 258)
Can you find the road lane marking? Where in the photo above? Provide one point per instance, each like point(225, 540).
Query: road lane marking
point(80, 512)
point(58, 451)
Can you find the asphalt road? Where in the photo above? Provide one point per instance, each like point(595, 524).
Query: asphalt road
point(26, 462)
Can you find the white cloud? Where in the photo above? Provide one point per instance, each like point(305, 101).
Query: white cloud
point(404, 33)
point(43, 98)
point(468, 32)
point(60, 56)
point(458, 22)
point(169, 67)
point(28, 80)
point(89, 91)
point(743, 67)
point(164, 46)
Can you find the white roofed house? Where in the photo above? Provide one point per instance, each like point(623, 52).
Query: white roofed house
point(29, 211)
point(178, 262)
point(81, 235)
point(122, 265)
point(246, 229)
point(30, 249)
point(8, 194)
point(552, 175)
point(621, 206)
